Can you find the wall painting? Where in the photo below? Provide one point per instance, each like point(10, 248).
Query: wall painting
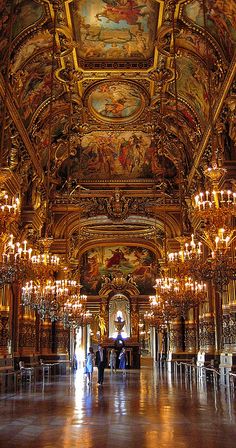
point(107, 261)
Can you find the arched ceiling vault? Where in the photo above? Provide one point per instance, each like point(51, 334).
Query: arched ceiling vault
point(120, 143)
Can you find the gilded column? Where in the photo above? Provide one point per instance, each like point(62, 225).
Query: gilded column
point(5, 321)
point(104, 318)
point(134, 319)
point(45, 334)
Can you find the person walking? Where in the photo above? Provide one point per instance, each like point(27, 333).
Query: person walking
point(100, 362)
point(123, 360)
point(89, 365)
point(112, 360)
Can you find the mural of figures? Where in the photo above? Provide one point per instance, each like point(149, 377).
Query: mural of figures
point(108, 261)
point(24, 16)
point(37, 42)
point(27, 15)
point(221, 21)
point(118, 155)
point(33, 84)
point(115, 29)
point(116, 100)
point(192, 84)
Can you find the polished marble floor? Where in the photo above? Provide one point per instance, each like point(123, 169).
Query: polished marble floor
point(147, 408)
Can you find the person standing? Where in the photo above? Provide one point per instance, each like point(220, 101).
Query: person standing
point(123, 360)
point(89, 365)
point(100, 362)
point(112, 360)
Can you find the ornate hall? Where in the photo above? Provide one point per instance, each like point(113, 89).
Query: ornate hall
point(117, 223)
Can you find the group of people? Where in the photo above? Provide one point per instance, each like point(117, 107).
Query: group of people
point(100, 360)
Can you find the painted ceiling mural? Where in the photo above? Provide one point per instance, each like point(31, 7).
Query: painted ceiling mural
point(116, 101)
point(221, 21)
point(117, 155)
point(114, 29)
point(109, 261)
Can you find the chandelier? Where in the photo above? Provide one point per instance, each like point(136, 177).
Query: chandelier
point(45, 263)
point(58, 300)
point(9, 209)
point(181, 293)
point(75, 313)
point(16, 261)
point(162, 312)
point(215, 208)
point(187, 259)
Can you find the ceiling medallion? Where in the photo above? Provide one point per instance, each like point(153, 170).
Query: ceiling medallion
point(116, 101)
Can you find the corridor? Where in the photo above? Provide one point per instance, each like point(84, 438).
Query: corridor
point(147, 408)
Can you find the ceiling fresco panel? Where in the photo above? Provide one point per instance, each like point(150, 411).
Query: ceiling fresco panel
point(114, 29)
point(221, 21)
point(118, 155)
point(116, 101)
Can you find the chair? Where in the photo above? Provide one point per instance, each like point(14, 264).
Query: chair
point(26, 373)
point(46, 369)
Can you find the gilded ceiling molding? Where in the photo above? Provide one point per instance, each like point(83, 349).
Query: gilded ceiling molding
point(21, 128)
point(76, 224)
point(229, 79)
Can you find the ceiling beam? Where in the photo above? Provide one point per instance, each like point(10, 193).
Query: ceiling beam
point(229, 79)
point(15, 115)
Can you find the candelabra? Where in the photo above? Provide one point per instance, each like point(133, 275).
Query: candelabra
point(9, 210)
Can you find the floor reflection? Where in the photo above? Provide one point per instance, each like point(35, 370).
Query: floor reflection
point(153, 407)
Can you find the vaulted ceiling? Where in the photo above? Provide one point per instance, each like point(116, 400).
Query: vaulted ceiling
point(110, 105)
